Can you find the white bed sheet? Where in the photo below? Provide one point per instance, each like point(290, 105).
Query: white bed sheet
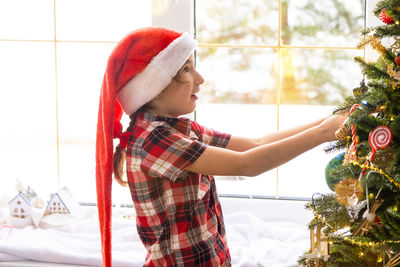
point(252, 241)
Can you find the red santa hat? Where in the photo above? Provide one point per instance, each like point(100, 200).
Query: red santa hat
point(138, 69)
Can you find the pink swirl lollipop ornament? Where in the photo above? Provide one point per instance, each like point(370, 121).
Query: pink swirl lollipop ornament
point(379, 138)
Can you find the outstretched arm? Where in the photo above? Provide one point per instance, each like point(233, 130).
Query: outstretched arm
point(254, 161)
point(242, 143)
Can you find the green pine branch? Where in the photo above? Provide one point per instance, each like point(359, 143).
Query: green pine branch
point(388, 5)
point(371, 70)
point(391, 30)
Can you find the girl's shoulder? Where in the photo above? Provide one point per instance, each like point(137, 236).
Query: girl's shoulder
point(144, 128)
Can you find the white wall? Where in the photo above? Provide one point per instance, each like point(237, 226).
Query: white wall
point(173, 14)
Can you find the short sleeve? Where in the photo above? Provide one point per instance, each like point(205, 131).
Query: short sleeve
point(166, 154)
point(211, 137)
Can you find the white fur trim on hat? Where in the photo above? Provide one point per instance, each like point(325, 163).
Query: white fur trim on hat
point(157, 75)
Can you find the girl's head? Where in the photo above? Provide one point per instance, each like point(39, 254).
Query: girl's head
point(180, 96)
point(141, 66)
point(149, 61)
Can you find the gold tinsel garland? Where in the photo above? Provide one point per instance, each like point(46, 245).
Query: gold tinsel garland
point(375, 42)
point(392, 180)
point(320, 218)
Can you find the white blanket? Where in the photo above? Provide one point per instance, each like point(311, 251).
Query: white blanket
point(252, 241)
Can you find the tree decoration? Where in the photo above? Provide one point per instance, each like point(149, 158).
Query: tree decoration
point(377, 45)
point(396, 45)
point(369, 217)
point(397, 59)
point(316, 262)
point(385, 18)
point(354, 210)
point(390, 70)
point(362, 217)
point(334, 165)
point(351, 153)
point(319, 252)
point(379, 138)
point(342, 133)
point(360, 90)
point(348, 192)
point(393, 260)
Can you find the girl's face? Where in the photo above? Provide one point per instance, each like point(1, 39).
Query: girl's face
point(179, 97)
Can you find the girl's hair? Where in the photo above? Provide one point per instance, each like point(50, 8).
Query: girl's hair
point(119, 161)
point(120, 155)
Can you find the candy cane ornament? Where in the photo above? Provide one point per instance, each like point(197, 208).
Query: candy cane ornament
point(379, 138)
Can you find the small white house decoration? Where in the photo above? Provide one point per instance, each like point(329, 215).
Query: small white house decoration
point(21, 205)
point(61, 202)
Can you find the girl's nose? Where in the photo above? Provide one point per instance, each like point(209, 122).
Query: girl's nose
point(198, 78)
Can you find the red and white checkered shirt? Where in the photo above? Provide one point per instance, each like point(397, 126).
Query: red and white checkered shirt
point(179, 217)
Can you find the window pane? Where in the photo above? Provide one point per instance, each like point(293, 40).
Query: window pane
point(322, 23)
point(28, 140)
point(248, 120)
point(81, 68)
point(100, 20)
point(313, 83)
point(304, 175)
point(237, 75)
point(238, 97)
point(318, 77)
point(27, 19)
point(237, 22)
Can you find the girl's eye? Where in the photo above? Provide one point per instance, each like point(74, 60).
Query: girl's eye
point(186, 69)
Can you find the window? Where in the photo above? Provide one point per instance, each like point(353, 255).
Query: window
point(53, 56)
point(259, 72)
point(270, 65)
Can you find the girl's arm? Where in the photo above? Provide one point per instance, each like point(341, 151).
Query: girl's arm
point(242, 143)
point(252, 162)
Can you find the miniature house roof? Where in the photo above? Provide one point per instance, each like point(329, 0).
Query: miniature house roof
point(28, 195)
point(20, 195)
point(65, 197)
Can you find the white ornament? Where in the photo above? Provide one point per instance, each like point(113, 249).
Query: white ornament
point(369, 216)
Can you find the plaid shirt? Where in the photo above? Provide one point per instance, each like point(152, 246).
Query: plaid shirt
point(179, 217)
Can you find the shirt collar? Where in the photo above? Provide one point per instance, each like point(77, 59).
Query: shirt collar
point(181, 124)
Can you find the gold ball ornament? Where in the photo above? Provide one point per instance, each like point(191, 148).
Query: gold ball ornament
point(348, 192)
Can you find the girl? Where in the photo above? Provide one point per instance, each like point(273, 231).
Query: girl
point(170, 160)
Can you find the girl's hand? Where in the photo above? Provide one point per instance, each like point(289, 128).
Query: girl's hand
point(330, 125)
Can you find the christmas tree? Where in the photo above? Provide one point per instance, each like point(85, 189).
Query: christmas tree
point(358, 224)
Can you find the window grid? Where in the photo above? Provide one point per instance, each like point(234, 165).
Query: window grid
point(279, 47)
point(55, 41)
